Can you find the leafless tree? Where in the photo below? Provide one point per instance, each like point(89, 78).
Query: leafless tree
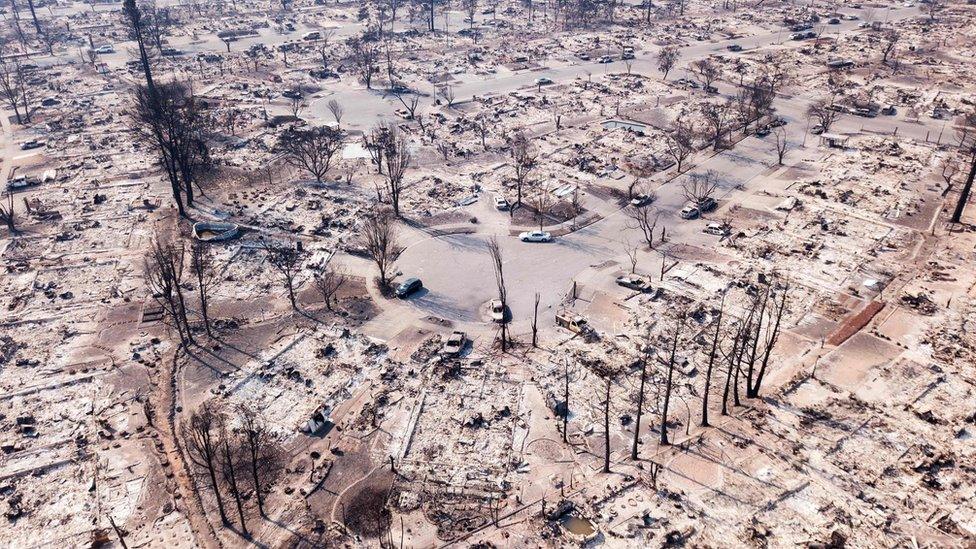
point(297, 105)
point(699, 188)
point(706, 72)
point(157, 22)
point(201, 263)
point(541, 203)
point(170, 117)
point(889, 39)
point(262, 454)
point(669, 359)
point(447, 93)
point(535, 320)
point(824, 112)
point(336, 109)
point(766, 334)
point(396, 153)
point(524, 158)
point(312, 149)
point(7, 214)
point(933, 7)
point(201, 441)
point(718, 118)
point(14, 89)
point(645, 358)
point(782, 144)
point(328, 283)
point(229, 457)
point(666, 59)
point(409, 100)
point(608, 373)
point(632, 255)
point(967, 148)
point(482, 127)
point(163, 271)
point(365, 55)
point(680, 142)
point(644, 219)
point(380, 238)
point(287, 260)
point(498, 264)
point(712, 355)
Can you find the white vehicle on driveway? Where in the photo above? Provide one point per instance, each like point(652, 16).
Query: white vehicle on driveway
point(535, 236)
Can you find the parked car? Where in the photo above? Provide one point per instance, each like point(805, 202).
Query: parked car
point(711, 89)
point(641, 200)
point(889, 110)
point(543, 81)
point(763, 131)
point(633, 282)
point(454, 344)
point(314, 35)
point(32, 144)
point(107, 48)
point(497, 310)
point(574, 323)
point(833, 21)
point(606, 59)
point(707, 204)
point(865, 112)
point(716, 229)
point(535, 236)
point(501, 204)
point(689, 211)
point(408, 287)
point(777, 122)
point(817, 129)
point(583, 55)
point(292, 94)
point(733, 47)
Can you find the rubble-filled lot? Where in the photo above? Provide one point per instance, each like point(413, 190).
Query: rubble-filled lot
point(737, 309)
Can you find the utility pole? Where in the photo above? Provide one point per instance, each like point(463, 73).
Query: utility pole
point(966, 188)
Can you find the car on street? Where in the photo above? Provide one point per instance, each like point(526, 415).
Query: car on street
point(641, 200)
point(777, 122)
point(408, 287)
point(889, 110)
point(716, 229)
point(583, 56)
point(314, 35)
point(32, 144)
point(501, 204)
point(633, 282)
point(833, 21)
point(734, 47)
point(107, 48)
point(707, 204)
point(711, 89)
point(535, 236)
point(497, 310)
point(606, 59)
point(763, 131)
point(454, 344)
point(689, 211)
point(292, 94)
point(542, 81)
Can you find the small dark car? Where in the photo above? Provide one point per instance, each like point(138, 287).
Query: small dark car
point(408, 287)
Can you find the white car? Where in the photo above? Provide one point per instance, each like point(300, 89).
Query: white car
point(501, 204)
point(535, 236)
point(689, 212)
point(108, 48)
point(716, 229)
point(641, 200)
